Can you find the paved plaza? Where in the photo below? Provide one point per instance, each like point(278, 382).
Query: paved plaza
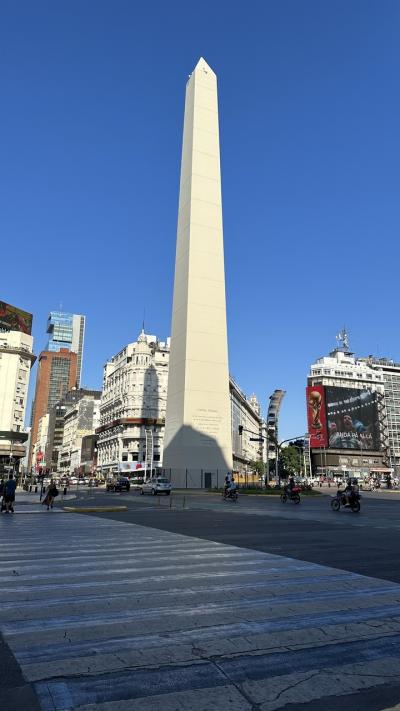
point(110, 615)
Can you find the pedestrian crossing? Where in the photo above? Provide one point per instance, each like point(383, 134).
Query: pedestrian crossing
point(107, 615)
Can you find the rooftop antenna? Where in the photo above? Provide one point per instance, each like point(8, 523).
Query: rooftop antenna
point(343, 339)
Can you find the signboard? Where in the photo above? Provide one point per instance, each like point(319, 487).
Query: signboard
point(352, 416)
point(316, 416)
point(131, 467)
point(13, 319)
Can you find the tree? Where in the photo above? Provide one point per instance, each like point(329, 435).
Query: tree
point(290, 461)
point(257, 467)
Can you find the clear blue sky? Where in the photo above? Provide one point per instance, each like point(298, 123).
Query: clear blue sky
point(92, 97)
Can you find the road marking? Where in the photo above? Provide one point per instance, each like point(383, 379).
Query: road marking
point(187, 616)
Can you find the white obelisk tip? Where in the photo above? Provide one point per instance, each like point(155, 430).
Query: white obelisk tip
point(203, 66)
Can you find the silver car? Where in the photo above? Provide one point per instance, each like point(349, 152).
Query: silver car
point(156, 485)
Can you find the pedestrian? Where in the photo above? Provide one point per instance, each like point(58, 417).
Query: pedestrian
point(52, 492)
point(2, 496)
point(9, 494)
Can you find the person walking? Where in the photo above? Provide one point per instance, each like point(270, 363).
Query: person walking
point(52, 492)
point(9, 494)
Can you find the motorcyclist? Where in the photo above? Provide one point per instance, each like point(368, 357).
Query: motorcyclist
point(232, 487)
point(290, 486)
point(228, 480)
point(349, 492)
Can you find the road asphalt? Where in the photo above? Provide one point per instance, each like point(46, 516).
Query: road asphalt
point(189, 603)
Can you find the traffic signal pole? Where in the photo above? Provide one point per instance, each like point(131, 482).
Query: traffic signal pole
point(278, 446)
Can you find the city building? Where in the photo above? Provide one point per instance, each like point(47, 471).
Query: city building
point(56, 374)
point(24, 461)
point(80, 420)
point(88, 464)
point(347, 417)
point(198, 440)
point(246, 415)
point(67, 331)
point(39, 453)
point(390, 371)
point(16, 360)
point(132, 414)
point(132, 409)
point(56, 423)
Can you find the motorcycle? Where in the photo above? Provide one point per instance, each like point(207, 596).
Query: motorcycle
point(232, 495)
point(291, 495)
point(341, 499)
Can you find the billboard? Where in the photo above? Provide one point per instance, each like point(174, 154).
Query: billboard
point(131, 467)
point(352, 416)
point(13, 319)
point(316, 416)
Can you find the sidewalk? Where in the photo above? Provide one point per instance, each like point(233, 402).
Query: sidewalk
point(110, 616)
point(29, 503)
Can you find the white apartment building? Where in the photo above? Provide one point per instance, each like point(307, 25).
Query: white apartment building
point(133, 404)
point(16, 360)
point(342, 369)
point(390, 372)
point(81, 419)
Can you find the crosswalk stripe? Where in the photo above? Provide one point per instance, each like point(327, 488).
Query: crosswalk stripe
point(141, 613)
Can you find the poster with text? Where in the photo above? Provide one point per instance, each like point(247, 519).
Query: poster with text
point(352, 416)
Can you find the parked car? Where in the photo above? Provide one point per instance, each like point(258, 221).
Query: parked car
point(122, 484)
point(156, 485)
point(137, 481)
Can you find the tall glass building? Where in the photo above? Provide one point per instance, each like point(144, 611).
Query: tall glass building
point(67, 331)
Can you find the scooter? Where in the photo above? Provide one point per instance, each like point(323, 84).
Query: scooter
point(341, 499)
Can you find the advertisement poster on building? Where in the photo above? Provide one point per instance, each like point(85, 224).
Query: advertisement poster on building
point(352, 418)
point(14, 319)
point(129, 468)
point(316, 416)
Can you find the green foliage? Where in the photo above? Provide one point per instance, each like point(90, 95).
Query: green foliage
point(290, 461)
point(258, 467)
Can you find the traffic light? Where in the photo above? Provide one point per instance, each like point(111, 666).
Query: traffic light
point(240, 430)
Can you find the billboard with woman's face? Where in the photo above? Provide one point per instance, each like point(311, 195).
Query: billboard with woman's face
point(352, 416)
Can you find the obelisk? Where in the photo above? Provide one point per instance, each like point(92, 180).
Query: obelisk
point(198, 440)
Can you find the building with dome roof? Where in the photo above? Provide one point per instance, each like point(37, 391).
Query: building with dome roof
point(132, 408)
